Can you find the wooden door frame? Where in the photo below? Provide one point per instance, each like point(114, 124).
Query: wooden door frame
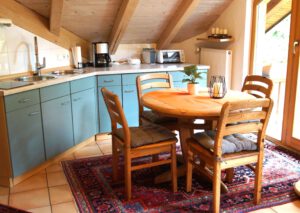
point(291, 80)
point(292, 74)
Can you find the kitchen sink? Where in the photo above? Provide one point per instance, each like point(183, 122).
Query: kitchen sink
point(35, 78)
point(64, 72)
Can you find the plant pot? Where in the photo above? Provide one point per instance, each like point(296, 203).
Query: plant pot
point(192, 89)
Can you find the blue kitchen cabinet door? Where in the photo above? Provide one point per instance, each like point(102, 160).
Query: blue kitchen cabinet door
point(58, 127)
point(105, 123)
point(84, 110)
point(130, 105)
point(26, 139)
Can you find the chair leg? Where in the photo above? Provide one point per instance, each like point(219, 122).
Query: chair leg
point(229, 175)
point(216, 187)
point(258, 178)
point(174, 167)
point(189, 171)
point(127, 175)
point(115, 161)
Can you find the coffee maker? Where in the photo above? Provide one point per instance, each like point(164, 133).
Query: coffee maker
point(101, 54)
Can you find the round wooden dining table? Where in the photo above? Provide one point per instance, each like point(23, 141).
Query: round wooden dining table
point(180, 104)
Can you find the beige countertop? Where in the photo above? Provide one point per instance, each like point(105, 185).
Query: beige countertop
point(94, 71)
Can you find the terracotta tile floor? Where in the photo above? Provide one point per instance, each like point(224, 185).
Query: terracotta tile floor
point(49, 192)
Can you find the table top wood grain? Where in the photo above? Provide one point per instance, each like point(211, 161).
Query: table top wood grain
point(179, 103)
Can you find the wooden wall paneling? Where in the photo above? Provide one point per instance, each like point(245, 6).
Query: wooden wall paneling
point(42, 7)
point(90, 19)
point(148, 20)
point(178, 19)
point(5, 165)
point(56, 15)
point(123, 17)
point(37, 24)
point(202, 18)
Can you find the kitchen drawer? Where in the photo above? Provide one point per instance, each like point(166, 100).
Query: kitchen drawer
point(130, 79)
point(21, 100)
point(109, 80)
point(83, 84)
point(55, 91)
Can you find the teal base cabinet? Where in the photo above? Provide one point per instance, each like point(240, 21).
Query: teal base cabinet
point(84, 110)
point(130, 105)
point(25, 131)
point(114, 84)
point(57, 122)
point(26, 139)
point(105, 123)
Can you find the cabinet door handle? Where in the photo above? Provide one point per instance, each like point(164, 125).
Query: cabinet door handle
point(128, 91)
point(33, 113)
point(108, 81)
point(65, 103)
point(76, 99)
point(24, 100)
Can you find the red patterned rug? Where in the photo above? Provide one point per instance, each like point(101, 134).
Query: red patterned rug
point(91, 183)
point(8, 209)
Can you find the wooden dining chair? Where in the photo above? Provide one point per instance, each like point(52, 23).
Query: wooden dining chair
point(228, 147)
point(135, 142)
point(258, 86)
point(149, 82)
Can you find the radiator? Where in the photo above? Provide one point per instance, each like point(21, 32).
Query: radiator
point(219, 61)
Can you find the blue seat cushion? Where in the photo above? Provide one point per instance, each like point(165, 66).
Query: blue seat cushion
point(147, 134)
point(230, 144)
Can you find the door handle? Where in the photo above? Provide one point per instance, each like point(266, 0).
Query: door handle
point(33, 113)
point(76, 99)
point(128, 91)
point(295, 46)
point(24, 100)
point(108, 81)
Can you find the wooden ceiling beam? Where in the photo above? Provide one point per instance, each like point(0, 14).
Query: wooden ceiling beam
point(180, 16)
point(56, 16)
point(124, 15)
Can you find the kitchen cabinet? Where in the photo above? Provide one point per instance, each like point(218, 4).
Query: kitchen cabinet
point(25, 132)
point(114, 84)
point(84, 108)
point(57, 119)
point(130, 104)
point(84, 113)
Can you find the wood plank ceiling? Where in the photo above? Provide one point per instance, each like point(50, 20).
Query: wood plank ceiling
point(93, 20)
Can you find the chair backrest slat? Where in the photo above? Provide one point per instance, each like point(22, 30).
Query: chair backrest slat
point(242, 117)
point(116, 114)
point(157, 81)
point(246, 116)
point(155, 85)
point(259, 86)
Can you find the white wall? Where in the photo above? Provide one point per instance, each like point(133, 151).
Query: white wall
point(126, 51)
point(17, 51)
point(237, 19)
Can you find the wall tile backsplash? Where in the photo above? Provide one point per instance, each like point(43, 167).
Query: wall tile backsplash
point(17, 51)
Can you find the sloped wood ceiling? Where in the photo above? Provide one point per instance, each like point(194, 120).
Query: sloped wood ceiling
point(93, 19)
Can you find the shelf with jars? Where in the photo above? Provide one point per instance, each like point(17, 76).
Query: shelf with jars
point(218, 35)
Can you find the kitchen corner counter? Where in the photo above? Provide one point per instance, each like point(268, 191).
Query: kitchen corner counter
point(93, 71)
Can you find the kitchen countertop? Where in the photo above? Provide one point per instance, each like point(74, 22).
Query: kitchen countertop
point(93, 71)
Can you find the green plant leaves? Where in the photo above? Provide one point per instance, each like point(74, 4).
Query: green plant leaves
point(192, 73)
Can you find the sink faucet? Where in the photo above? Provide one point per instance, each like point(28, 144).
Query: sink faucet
point(38, 66)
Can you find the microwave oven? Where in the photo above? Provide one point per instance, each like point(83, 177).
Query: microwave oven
point(170, 56)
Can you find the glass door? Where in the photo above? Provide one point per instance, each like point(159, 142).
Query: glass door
point(291, 125)
point(270, 52)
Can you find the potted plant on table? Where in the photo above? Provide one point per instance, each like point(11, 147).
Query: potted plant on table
point(192, 74)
